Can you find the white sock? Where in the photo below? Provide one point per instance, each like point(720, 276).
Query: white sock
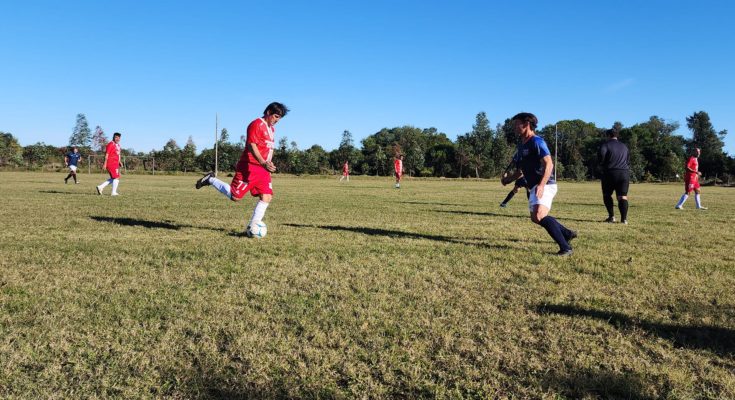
point(684, 198)
point(104, 184)
point(697, 200)
point(259, 212)
point(115, 182)
point(221, 186)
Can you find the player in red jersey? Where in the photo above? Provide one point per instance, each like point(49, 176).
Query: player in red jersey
point(398, 167)
point(112, 164)
point(345, 172)
point(691, 181)
point(253, 170)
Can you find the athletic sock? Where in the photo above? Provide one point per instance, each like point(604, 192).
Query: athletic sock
point(258, 212)
point(104, 184)
point(683, 199)
point(115, 182)
point(609, 205)
point(555, 230)
point(697, 200)
point(623, 207)
point(74, 174)
point(509, 196)
point(221, 186)
point(69, 176)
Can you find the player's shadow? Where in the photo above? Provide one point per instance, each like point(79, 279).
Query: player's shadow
point(589, 382)
point(71, 193)
point(124, 221)
point(481, 214)
point(432, 203)
point(398, 234)
point(718, 340)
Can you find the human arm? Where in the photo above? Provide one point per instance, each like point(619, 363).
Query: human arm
point(548, 167)
point(253, 147)
point(66, 160)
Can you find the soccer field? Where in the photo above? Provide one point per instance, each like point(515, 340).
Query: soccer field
point(360, 290)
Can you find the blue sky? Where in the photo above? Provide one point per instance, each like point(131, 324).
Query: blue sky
point(157, 70)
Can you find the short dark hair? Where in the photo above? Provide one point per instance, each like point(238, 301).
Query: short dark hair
point(613, 133)
point(526, 117)
point(116, 134)
point(276, 108)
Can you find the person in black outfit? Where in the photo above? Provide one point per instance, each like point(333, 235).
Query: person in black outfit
point(615, 162)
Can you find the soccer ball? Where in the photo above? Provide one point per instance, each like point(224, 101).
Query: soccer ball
point(257, 230)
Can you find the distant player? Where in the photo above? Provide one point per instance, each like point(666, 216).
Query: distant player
point(398, 169)
point(345, 172)
point(71, 160)
point(112, 164)
point(615, 162)
point(520, 183)
point(691, 181)
point(253, 170)
point(536, 165)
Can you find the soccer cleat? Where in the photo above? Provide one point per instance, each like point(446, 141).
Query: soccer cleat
point(572, 235)
point(247, 232)
point(76, 183)
point(701, 208)
point(99, 191)
point(564, 253)
point(503, 205)
point(624, 222)
point(679, 207)
point(65, 180)
point(610, 220)
point(204, 181)
point(115, 194)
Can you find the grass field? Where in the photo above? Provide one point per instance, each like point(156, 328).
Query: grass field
point(360, 291)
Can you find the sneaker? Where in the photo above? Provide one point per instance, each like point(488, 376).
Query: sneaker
point(204, 181)
point(610, 220)
point(702, 208)
point(564, 253)
point(99, 191)
point(572, 236)
point(679, 207)
point(503, 205)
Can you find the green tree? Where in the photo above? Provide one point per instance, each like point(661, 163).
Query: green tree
point(99, 139)
point(81, 135)
point(11, 152)
point(188, 156)
point(713, 158)
point(478, 144)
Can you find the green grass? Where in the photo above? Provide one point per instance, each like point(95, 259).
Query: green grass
point(360, 291)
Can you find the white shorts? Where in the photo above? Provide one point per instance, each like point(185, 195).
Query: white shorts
point(549, 193)
point(73, 168)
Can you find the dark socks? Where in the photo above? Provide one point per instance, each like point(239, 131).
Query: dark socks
point(509, 196)
point(557, 231)
point(609, 205)
point(623, 207)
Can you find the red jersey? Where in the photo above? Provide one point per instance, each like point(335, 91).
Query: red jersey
point(113, 154)
point(692, 164)
point(398, 165)
point(263, 136)
point(345, 169)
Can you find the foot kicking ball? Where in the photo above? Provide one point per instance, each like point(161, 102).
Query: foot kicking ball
point(257, 230)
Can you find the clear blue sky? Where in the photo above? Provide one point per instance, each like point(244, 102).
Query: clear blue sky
point(156, 70)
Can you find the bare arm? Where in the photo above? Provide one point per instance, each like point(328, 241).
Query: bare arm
point(548, 167)
point(256, 153)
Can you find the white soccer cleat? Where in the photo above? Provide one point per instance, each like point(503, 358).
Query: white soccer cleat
point(679, 207)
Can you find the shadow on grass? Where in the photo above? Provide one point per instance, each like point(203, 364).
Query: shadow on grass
point(718, 340)
point(124, 221)
point(525, 216)
point(432, 204)
point(594, 383)
point(72, 193)
point(398, 234)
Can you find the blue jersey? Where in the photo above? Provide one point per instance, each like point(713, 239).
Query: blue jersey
point(528, 158)
point(73, 158)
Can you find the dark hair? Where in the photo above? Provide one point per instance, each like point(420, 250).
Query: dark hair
point(116, 134)
point(526, 117)
point(276, 108)
point(613, 133)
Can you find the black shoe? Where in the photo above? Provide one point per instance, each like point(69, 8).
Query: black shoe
point(572, 235)
point(610, 220)
point(564, 253)
point(204, 181)
point(65, 180)
point(624, 222)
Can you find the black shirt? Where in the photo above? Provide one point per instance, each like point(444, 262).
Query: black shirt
point(614, 155)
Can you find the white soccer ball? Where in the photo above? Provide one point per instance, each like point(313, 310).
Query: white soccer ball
point(258, 230)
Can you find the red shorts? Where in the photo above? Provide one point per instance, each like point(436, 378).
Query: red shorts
point(345, 173)
point(691, 186)
point(254, 179)
point(114, 172)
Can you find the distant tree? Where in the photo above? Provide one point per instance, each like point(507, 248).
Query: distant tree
point(99, 139)
point(11, 152)
point(224, 137)
point(81, 135)
point(39, 154)
point(188, 156)
point(281, 156)
point(478, 145)
point(345, 149)
point(713, 158)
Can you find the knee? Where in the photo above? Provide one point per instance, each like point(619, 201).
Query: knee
point(536, 218)
point(622, 198)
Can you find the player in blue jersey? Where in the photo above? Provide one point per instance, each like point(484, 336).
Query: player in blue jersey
point(71, 160)
point(536, 166)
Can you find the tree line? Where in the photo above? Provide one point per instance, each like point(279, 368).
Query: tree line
point(656, 152)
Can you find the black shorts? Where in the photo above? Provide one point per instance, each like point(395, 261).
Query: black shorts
point(616, 180)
